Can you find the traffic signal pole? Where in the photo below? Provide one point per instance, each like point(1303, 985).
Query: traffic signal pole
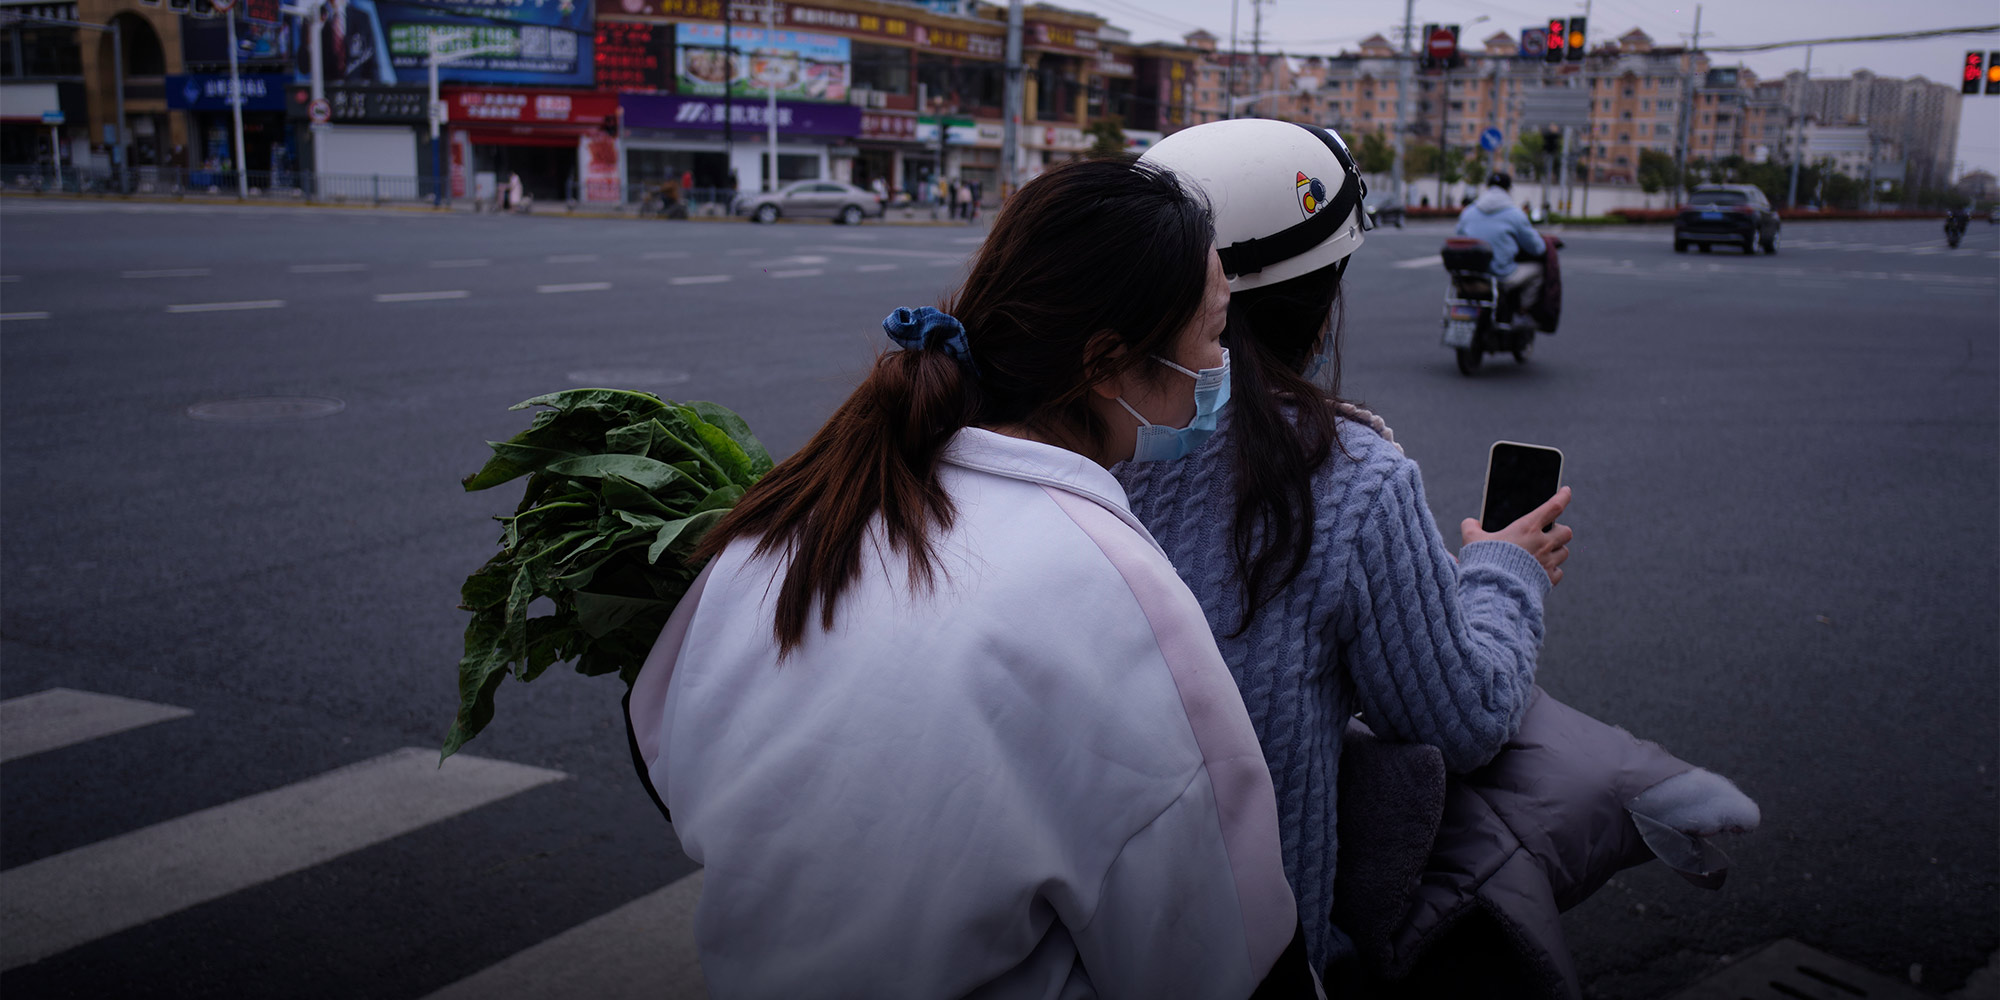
point(1687, 113)
point(1799, 144)
point(1405, 81)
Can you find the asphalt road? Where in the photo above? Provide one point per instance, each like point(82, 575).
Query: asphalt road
point(1785, 469)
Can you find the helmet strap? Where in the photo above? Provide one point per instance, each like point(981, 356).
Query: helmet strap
point(1254, 255)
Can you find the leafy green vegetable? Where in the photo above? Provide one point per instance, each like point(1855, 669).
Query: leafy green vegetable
point(622, 486)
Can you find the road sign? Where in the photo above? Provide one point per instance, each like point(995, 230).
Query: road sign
point(440, 112)
point(222, 6)
point(52, 118)
point(1559, 106)
point(1534, 44)
point(1491, 139)
point(320, 111)
point(1442, 44)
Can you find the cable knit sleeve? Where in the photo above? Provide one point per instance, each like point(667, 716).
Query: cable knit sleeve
point(1439, 652)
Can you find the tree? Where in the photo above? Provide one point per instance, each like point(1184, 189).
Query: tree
point(1376, 156)
point(1656, 172)
point(1475, 170)
point(1420, 159)
point(1107, 138)
point(1453, 169)
point(1526, 155)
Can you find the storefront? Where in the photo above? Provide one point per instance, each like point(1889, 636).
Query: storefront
point(27, 137)
point(1045, 146)
point(372, 130)
point(886, 137)
point(543, 136)
point(270, 143)
point(665, 136)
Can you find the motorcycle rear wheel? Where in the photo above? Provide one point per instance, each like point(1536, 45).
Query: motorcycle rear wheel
point(1468, 360)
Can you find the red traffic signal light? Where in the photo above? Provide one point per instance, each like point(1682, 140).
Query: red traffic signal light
point(1576, 40)
point(1558, 37)
point(1993, 72)
point(1969, 81)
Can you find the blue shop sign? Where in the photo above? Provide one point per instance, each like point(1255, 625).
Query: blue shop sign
point(210, 92)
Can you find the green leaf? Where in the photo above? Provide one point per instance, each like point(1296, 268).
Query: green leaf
point(646, 472)
point(600, 615)
point(638, 404)
point(496, 471)
point(623, 494)
point(724, 452)
point(726, 420)
point(675, 536)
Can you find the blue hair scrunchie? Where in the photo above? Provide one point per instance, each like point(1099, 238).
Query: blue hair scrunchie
point(925, 327)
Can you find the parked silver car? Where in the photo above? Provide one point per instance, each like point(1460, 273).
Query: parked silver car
point(843, 203)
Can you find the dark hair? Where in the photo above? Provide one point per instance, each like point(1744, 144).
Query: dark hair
point(1500, 179)
point(1282, 425)
point(1090, 256)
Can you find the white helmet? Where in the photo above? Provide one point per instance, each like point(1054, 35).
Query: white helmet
point(1287, 197)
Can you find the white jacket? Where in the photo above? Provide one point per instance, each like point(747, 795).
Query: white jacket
point(1035, 780)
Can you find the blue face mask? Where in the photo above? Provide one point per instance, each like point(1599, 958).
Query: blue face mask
point(1319, 371)
point(1158, 443)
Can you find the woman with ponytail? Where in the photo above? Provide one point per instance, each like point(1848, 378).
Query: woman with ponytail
point(938, 717)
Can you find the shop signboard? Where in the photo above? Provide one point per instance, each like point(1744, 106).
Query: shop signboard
point(355, 104)
point(805, 66)
point(958, 131)
point(887, 126)
point(1059, 38)
point(205, 42)
point(210, 92)
point(633, 55)
point(526, 107)
point(807, 17)
point(704, 114)
point(531, 42)
point(603, 177)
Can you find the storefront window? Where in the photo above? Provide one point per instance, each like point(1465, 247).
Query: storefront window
point(1055, 89)
point(791, 167)
point(879, 67)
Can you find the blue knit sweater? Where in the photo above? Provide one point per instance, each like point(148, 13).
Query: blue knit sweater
point(1381, 622)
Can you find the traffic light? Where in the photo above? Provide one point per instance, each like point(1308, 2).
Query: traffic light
point(1455, 59)
point(1993, 72)
point(1558, 38)
point(1576, 40)
point(1424, 59)
point(1969, 81)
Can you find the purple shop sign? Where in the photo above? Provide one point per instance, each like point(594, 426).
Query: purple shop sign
point(659, 111)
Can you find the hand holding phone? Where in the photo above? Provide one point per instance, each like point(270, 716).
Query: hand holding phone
point(1522, 502)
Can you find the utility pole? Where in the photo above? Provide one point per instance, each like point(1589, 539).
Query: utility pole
point(118, 151)
point(1444, 129)
point(1257, 50)
point(1404, 83)
point(729, 105)
point(1010, 143)
point(1583, 209)
point(1799, 144)
point(1228, 103)
point(771, 91)
point(1687, 111)
point(235, 105)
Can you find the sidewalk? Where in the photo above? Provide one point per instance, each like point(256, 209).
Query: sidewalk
point(899, 215)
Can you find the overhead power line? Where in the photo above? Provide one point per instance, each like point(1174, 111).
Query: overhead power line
point(1896, 36)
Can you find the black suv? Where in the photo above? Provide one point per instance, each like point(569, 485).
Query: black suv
point(1736, 214)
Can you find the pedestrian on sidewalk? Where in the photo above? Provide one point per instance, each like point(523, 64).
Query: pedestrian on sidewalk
point(937, 716)
point(965, 201)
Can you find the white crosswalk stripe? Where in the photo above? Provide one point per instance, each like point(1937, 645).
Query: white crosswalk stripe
point(59, 717)
point(644, 949)
point(60, 902)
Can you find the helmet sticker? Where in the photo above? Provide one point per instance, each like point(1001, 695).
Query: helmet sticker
point(1312, 194)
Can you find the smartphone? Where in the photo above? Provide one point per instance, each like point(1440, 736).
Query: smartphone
point(1519, 478)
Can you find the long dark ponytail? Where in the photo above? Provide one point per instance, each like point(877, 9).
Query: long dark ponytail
point(1087, 248)
point(1283, 426)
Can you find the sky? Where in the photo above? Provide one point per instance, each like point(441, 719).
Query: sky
point(1320, 26)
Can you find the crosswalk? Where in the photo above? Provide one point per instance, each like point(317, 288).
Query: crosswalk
point(53, 904)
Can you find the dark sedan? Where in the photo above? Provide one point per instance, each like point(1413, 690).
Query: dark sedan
point(1736, 214)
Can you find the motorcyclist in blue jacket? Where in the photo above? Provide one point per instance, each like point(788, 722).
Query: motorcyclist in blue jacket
point(1496, 219)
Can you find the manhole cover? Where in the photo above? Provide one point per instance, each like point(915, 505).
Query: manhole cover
point(1788, 970)
point(254, 408)
point(628, 378)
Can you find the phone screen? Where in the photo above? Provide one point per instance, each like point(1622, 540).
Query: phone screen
point(1519, 478)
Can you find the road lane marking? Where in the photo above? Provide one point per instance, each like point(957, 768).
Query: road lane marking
point(885, 252)
point(878, 267)
point(805, 260)
point(326, 268)
point(664, 255)
point(23, 315)
point(581, 286)
point(60, 902)
point(804, 272)
point(700, 279)
point(596, 958)
point(947, 263)
point(170, 272)
point(210, 307)
point(467, 262)
point(741, 252)
point(570, 258)
point(59, 717)
point(421, 296)
point(1416, 262)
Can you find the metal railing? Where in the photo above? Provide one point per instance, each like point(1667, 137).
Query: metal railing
point(263, 185)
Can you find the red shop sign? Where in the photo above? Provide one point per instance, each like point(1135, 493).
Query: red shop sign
point(879, 125)
point(531, 107)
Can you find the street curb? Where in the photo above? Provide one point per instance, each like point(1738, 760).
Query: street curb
point(335, 206)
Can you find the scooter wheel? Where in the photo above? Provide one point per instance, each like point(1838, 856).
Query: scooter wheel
point(1468, 360)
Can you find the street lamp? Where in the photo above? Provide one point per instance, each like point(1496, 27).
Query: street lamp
point(435, 42)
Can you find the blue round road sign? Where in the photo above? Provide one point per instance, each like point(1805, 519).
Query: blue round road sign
point(1490, 139)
